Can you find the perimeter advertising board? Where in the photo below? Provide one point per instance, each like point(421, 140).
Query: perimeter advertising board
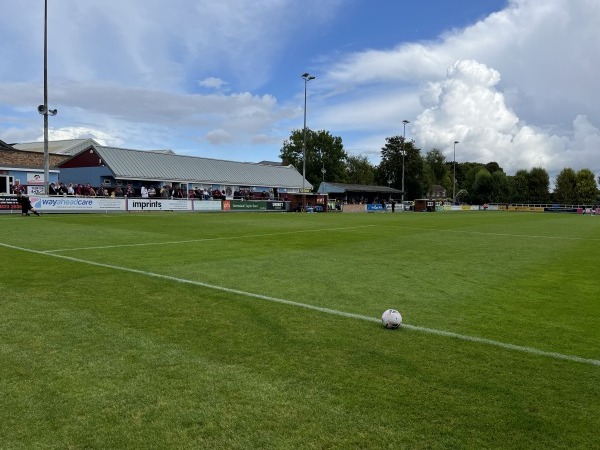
point(255, 205)
point(147, 204)
point(206, 205)
point(77, 204)
point(9, 203)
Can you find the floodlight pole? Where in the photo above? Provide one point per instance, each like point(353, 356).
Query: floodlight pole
point(454, 175)
point(404, 122)
point(307, 77)
point(45, 111)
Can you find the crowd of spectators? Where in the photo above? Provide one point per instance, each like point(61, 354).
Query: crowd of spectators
point(147, 191)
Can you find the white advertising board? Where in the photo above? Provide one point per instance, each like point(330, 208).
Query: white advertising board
point(77, 204)
point(159, 204)
point(207, 205)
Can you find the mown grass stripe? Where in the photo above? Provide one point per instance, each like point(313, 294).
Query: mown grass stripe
point(479, 340)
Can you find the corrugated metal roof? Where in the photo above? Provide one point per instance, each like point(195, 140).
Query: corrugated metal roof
point(340, 188)
point(146, 165)
point(61, 147)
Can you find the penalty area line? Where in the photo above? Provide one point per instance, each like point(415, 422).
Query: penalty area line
point(479, 340)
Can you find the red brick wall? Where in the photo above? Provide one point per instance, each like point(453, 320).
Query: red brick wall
point(19, 158)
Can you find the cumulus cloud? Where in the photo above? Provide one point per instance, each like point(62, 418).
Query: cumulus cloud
point(467, 107)
point(525, 77)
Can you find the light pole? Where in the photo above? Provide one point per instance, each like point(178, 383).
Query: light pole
point(454, 174)
point(404, 122)
point(43, 109)
point(323, 171)
point(307, 77)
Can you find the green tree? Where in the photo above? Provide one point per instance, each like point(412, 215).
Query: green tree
point(566, 185)
point(482, 186)
point(500, 187)
point(360, 171)
point(466, 181)
point(322, 150)
point(520, 187)
point(438, 168)
point(493, 167)
point(586, 189)
point(390, 167)
point(539, 185)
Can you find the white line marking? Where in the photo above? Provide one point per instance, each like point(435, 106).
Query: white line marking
point(143, 244)
point(479, 340)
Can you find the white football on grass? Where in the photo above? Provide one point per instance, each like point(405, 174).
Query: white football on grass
point(391, 318)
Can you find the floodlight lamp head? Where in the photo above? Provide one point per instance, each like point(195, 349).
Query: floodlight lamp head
point(307, 76)
point(456, 142)
point(405, 121)
point(42, 109)
point(52, 112)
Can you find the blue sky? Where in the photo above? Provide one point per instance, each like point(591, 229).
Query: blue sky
point(514, 81)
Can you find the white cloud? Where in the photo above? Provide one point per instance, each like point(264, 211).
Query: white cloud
point(524, 74)
point(525, 92)
point(213, 83)
point(67, 133)
point(468, 108)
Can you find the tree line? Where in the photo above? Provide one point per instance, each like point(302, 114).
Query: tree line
point(476, 183)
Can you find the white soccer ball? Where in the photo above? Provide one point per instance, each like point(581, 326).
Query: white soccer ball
point(391, 319)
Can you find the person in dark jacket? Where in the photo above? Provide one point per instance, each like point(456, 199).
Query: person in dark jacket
point(26, 205)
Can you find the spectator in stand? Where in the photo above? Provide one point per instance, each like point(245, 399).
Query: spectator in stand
point(129, 192)
point(164, 191)
point(118, 192)
point(151, 191)
point(52, 189)
point(144, 191)
point(70, 189)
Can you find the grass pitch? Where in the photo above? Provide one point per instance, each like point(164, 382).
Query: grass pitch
point(259, 330)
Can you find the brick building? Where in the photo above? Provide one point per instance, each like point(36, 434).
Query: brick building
point(25, 168)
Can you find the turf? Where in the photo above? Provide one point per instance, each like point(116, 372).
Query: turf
point(259, 330)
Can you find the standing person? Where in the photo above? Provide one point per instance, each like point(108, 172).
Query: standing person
point(393, 205)
point(144, 192)
point(164, 192)
point(26, 205)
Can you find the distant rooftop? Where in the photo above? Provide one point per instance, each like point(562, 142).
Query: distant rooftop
point(68, 146)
